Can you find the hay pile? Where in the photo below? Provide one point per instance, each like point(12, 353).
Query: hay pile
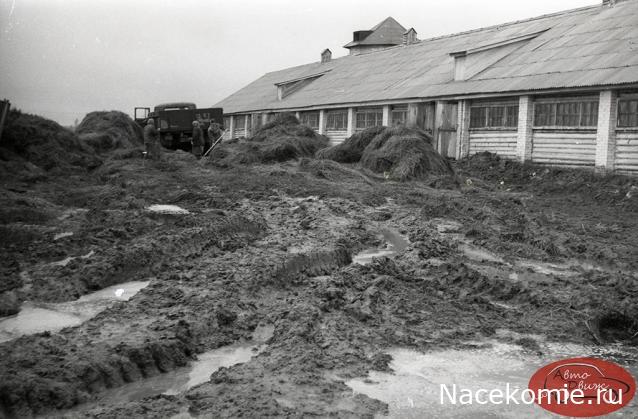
point(331, 170)
point(33, 146)
point(110, 130)
point(280, 140)
point(404, 153)
point(351, 150)
point(399, 153)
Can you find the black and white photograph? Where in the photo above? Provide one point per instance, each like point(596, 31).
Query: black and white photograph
point(301, 209)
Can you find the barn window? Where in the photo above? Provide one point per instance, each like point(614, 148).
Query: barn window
point(478, 117)
point(511, 116)
point(337, 120)
point(310, 119)
point(240, 122)
point(494, 116)
point(628, 113)
point(399, 115)
point(366, 118)
point(566, 114)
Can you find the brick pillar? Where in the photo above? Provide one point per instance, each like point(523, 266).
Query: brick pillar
point(264, 118)
point(231, 131)
point(525, 134)
point(350, 130)
point(606, 134)
point(386, 116)
point(298, 114)
point(246, 130)
point(322, 122)
point(463, 129)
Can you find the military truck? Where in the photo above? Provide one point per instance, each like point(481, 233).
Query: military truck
point(174, 122)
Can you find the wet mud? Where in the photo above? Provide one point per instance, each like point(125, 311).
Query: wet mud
point(228, 251)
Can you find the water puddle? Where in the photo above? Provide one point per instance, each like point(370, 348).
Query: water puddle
point(168, 209)
point(414, 390)
point(198, 372)
point(395, 244)
point(68, 260)
point(479, 255)
point(62, 235)
point(40, 317)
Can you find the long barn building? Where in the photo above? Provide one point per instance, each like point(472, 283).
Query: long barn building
point(557, 89)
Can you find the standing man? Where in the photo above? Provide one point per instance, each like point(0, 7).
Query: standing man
point(214, 131)
point(198, 140)
point(151, 140)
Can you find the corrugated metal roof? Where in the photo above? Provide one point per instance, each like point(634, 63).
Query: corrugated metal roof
point(587, 47)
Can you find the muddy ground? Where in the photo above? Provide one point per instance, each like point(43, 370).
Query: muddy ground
point(507, 248)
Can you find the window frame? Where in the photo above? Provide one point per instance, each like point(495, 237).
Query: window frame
point(372, 117)
point(306, 115)
point(508, 116)
point(398, 109)
point(626, 98)
point(342, 113)
point(553, 115)
point(237, 125)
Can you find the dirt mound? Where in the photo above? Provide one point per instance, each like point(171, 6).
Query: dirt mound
point(32, 145)
point(351, 150)
point(110, 130)
point(404, 153)
point(513, 175)
point(280, 140)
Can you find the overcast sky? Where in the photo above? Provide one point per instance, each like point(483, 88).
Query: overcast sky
point(64, 58)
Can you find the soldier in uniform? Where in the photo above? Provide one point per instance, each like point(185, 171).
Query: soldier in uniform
point(151, 140)
point(198, 140)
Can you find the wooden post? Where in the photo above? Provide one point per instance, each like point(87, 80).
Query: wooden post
point(606, 134)
point(246, 129)
point(416, 115)
point(438, 116)
point(463, 130)
point(232, 127)
point(5, 105)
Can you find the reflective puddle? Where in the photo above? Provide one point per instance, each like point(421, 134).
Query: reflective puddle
point(197, 372)
point(67, 260)
point(479, 255)
point(41, 317)
point(414, 390)
point(168, 209)
point(395, 244)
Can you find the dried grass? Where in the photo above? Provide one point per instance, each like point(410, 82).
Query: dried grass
point(280, 140)
point(32, 144)
point(351, 150)
point(109, 130)
point(402, 153)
